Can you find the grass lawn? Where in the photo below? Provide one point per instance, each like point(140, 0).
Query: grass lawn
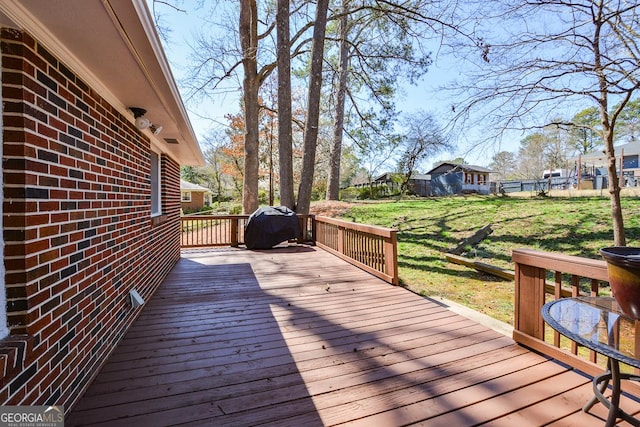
point(427, 228)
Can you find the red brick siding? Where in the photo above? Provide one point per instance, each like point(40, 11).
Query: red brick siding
point(77, 225)
point(197, 201)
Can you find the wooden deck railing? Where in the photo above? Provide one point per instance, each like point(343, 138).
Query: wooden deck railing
point(212, 230)
point(371, 248)
point(374, 249)
point(544, 276)
point(226, 230)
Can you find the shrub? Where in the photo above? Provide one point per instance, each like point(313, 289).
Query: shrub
point(349, 193)
point(263, 197)
point(319, 190)
point(376, 192)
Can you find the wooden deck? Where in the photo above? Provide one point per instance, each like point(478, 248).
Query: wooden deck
point(298, 337)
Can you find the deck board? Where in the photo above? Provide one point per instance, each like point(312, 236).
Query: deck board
point(296, 336)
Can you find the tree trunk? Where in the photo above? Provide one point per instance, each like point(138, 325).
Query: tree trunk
point(313, 109)
point(608, 125)
point(333, 186)
point(619, 237)
point(249, 42)
point(285, 134)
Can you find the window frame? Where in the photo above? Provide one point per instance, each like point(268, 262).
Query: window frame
point(468, 178)
point(156, 183)
point(186, 199)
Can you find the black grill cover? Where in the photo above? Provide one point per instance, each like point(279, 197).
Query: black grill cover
point(269, 226)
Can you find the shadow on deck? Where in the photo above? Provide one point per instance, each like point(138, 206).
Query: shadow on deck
point(296, 336)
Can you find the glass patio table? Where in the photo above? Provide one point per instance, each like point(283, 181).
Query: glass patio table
point(598, 324)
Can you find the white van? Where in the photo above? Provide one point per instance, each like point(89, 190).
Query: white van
point(556, 173)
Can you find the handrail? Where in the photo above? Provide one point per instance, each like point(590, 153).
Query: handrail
point(371, 248)
point(584, 267)
point(371, 229)
point(570, 276)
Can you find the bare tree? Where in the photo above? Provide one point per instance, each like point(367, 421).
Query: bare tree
point(375, 154)
point(580, 52)
point(557, 145)
point(212, 154)
point(163, 27)
point(218, 61)
point(423, 138)
point(532, 156)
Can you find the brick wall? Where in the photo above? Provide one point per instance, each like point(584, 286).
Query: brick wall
point(197, 201)
point(77, 225)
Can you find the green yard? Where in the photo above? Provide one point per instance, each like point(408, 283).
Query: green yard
point(428, 228)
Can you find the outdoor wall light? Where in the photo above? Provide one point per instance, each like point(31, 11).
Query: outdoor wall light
point(142, 122)
point(155, 129)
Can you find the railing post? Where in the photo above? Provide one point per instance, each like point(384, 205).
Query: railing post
point(529, 299)
point(340, 248)
point(302, 225)
point(234, 231)
point(391, 257)
point(306, 235)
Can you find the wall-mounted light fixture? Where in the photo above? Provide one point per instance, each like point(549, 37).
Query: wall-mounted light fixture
point(142, 122)
point(155, 129)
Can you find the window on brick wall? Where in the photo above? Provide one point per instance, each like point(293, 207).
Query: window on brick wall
point(186, 196)
point(156, 202)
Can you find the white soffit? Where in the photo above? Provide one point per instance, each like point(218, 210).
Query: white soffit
point(113, 46)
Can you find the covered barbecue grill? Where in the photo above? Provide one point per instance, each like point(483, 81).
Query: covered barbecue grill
point(269, 226)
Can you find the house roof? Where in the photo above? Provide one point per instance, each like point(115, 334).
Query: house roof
point(114, 47)
point(188, 186)
point(599, 158)
point(386, 176)
point(467, 168)
point(421, 176)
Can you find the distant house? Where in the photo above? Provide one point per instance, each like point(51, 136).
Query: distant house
point(388, 180)
point(193, 196)
point(451, 178)
point(93, 137)
point(420, 184)
point(594, 165)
